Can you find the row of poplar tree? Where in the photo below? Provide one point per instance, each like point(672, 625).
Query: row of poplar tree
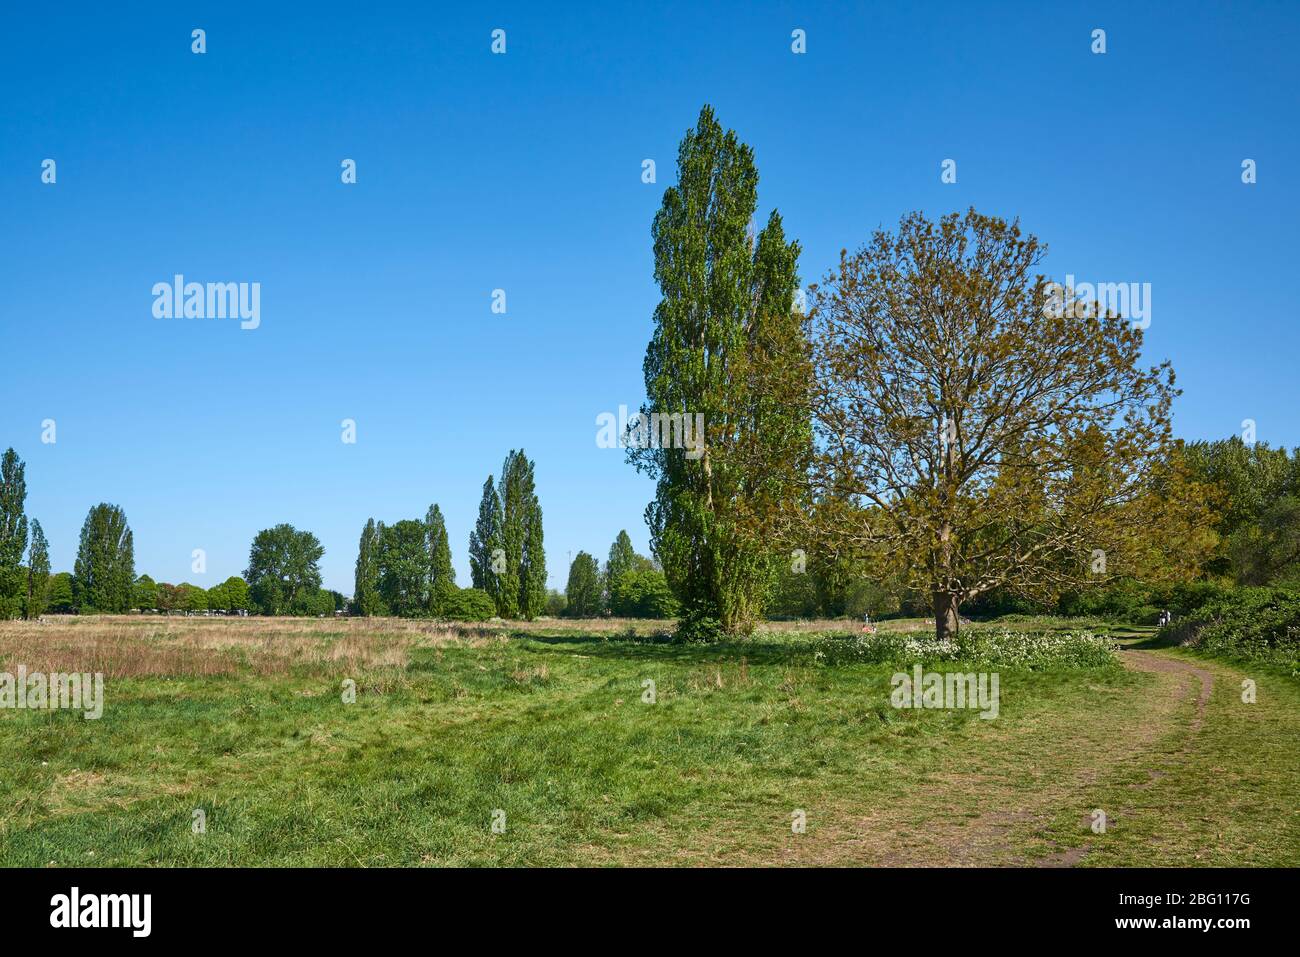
point(103, 576)
point(405, 568)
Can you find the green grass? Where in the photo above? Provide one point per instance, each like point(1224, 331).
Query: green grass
point(549, 726)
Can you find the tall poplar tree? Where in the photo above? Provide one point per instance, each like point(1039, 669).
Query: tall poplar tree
point(365, 590)
point(104, 573)
point(583, 589)
point(729, 345)
point(515, 508)
point(532, 573)
point(38, 573)
point(622, 557)
point(442, 575)
point(13, 533)
point(485, 540)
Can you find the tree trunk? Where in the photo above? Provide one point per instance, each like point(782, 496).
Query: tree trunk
point(945, 616)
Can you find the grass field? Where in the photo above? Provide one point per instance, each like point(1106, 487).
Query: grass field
point(543, 727)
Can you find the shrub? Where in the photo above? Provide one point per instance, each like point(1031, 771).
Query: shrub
point(641, 594)
point(1258, 624)
point(469, 604)
point(697, 627)
point(1000, 648)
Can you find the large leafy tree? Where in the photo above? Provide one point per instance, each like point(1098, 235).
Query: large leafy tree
point(195, 597)
point(484, 540)
point(104, 573)
point(1253, 481)
point(442, 574)
point(38, 572)
point(13, 533)
point(218, 600)
point(283, 569)
point(365, 590)
point(727, 345)
point(984, 439)
point(404, 568)
point(60, 599)
point(144, 594)
point(583, 589)
point(235, 590)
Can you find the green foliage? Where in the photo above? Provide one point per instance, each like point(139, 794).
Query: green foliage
point(1259, 521)
point(996, 440)
point(1120, 600)
point(1255, 624)
point(642, 593)
point(169, 598)
point(990, 647)
point(38, 573)
point(283, 571)
point(556, 603)
point(469, 604)
point(583, 592)
point(144, 594)
point(794, 594)
point(442, 575)
point(622, 558)
point(13, 534)
point(521, 586)
point(235, 592)
point(104, 573)
point(60, 598)
point(485, 540)
point(217, 598)
point(404, 568)
point(697, 627)
point(191, 598)
point(314, 603)
point(725, 331)
point(1267, 551)
point(366, 599)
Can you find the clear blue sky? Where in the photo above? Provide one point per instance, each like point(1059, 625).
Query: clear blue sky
point(522, 172)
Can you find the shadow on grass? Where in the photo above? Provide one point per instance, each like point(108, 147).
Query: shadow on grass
point(663, 647)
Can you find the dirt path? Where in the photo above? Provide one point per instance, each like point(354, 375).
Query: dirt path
point(995, 813)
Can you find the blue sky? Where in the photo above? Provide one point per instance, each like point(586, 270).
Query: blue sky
point(523, 172)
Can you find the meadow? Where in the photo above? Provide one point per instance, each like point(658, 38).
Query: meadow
point(603, 742)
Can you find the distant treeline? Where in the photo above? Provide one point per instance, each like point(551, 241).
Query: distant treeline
point(402, 569)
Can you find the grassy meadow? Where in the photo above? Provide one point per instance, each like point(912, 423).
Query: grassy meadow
point(544, 729)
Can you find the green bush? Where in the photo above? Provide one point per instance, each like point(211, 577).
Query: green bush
point(1122, 600)
point(641, 594)
point(1257, 624)
point(698, 627)
point(469, 604)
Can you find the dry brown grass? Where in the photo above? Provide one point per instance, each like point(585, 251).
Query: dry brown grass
point(137, 645)
point(175, 646)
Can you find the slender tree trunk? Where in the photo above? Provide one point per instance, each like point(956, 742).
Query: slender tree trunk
point(946, 621)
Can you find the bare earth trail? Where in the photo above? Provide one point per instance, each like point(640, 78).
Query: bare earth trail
point(970, 817)
point(1166, 756)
